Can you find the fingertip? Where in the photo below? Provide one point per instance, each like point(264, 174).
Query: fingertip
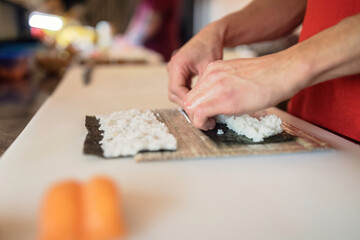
point(187, 103)
point(203, 115)
point(175, 99)
point(186, 106)
point(199, 120)
point(211, 123)
point(208, 125)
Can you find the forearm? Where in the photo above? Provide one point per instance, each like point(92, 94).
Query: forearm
point(152, 25)
point(145, 27)
point(330, 54)
point(260, 21)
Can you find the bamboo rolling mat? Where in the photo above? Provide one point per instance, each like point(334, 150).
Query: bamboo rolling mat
point(193, 143)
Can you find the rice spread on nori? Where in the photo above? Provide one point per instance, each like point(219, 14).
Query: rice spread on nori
point(126, 133)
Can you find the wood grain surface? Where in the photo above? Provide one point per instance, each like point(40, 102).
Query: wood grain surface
point(193, 143)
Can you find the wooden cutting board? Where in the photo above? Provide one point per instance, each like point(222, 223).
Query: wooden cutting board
point(194, 143)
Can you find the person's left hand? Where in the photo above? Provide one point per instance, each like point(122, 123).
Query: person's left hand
point(242, 86)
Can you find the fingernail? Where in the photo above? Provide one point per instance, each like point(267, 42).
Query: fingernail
point(210, 124)
point(187, 105)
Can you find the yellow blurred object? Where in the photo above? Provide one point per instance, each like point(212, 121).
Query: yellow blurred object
point(80, 37)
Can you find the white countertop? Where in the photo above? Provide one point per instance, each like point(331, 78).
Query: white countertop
point(291, 196)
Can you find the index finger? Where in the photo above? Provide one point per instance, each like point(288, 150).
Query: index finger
point(179, 82)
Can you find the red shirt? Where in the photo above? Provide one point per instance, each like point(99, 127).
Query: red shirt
point(166, 40)
point(333, 104)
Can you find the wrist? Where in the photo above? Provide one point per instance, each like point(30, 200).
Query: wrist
point(291, 73)
point(208, 45)
point(216, 31)
point(301, 68)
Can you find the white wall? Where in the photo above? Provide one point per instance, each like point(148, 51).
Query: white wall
point(207, 11)
point(220, 8)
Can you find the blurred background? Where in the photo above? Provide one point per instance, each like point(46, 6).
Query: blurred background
point(41, 39)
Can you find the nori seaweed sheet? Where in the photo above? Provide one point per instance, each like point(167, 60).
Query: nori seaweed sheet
point(232, 138)
point(229, 138)
point(94, 136)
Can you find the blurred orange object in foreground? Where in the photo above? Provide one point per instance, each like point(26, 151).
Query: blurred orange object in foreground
point(75, 211)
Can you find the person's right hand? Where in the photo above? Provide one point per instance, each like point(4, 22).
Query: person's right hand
point(191, 60)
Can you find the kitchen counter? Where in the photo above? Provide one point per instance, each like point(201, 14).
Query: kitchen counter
point(312, 195)
point(19, 101)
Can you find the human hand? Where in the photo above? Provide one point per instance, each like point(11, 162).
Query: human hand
point(192, 60)
point(242, 86)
